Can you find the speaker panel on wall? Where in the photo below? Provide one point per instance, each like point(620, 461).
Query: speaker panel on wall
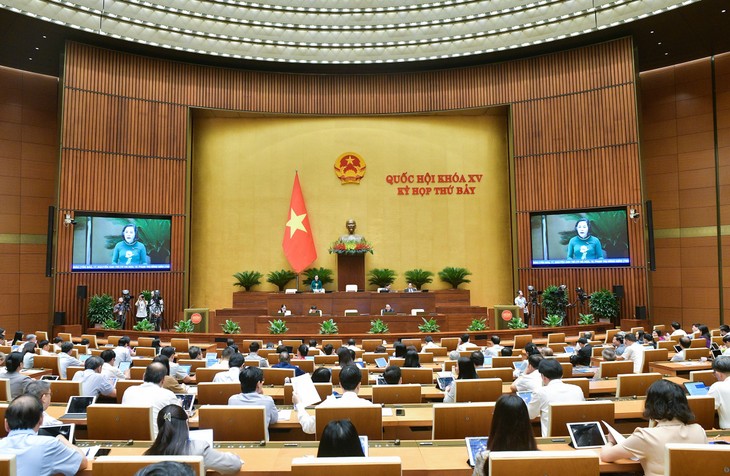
point(81, 291)
point(618, 291)
point(650, 235)
point(59, 318)
point(641, 312)
point(49, 240)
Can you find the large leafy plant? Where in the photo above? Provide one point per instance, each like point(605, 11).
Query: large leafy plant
point(381, 277)
point(516, 323)
point(429, 325)
point(418, 277)
point(552, 320)
point(277, 326)
point(110, 324)
point(248, 279)
point(378, 327)
point(586, 319)
point(101, 308)
point(144, 325)
point(231, 327)
point(328, 327)
point(555, 301)
point(477, 325)
point(281, 278)
point(604, 304)
point(184, 326)
point(454, 276)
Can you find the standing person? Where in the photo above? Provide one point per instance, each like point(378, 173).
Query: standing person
point(584, 246)
point(669, 415)
point(141, 305)
point(552, 391)
point(521, 302)
point(37, 455)
point(120, 312)
point(174, 439)
point(129, 251)
point(511, 431)
point(157, 307)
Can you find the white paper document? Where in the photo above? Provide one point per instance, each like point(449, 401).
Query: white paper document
point(305, 390)
point(202, 435)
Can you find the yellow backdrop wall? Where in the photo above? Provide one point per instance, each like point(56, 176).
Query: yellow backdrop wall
point(242, 175)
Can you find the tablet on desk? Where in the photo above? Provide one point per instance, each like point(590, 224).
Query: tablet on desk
point(83, 357)
point(54, 430)
point(124, 366)
point(520, 366)
point(50, 377)
point(444, 381)
point(677, 349)
point(381, 362)
point(586, 435)
point(474, 446)
point(187, 401)
point(364, 444)
point(569, 349)
point(696, 388)
point(525, 396)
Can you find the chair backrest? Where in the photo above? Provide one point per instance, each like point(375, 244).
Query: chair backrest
point(210, 393)
point(369, 345)
point(635, 384)
point(416, 342)
point(46, 362)
point(116, 465)
point(698, 343)
point(325, 359)
point(436, 351)
point(97, 352)
point(397, 361)
point(62, 390)
point(395, 394)
point(505, 361)
point(353, 466)
point(597, 350)
point(367, 420)
point(43, 335)
point(194, 364)
point(478, 390)
point(634, 330)
point(364, 376)
point(465, 353)
point(277, 376)
point(581, 382)
point(113, 340)
point(323, 389)
point(293, 343)
point(306, 365)
point(521, 341)
point(66, 336)
point(81, 349)
point(123, 385)
point(3, 432)
point(8, 465)
point(666, 344)
point(145, 341)
point(234, 423)
point(609, 335)
point(560, 414)
point(137, 373)
point(422, 375)
point(544, 463)
point(180, 344)
point(696, 353)
point(205, 374)
point(612, 369)
point(451, 343)
point(682, 459)
point(703, 407)
point(556, 338)
point(92, 340)
point(336, 343)
point(567, 368)
point(71, 370)
point(370, 357)
point(659, 327)
point(4, 390)
point(273, 358)
point(114, 422)
point(705, 376)
point(146, 352)
point(455, 421)
point(247, 342)
point(425, 358)
point(502, 373)
point(654, 355)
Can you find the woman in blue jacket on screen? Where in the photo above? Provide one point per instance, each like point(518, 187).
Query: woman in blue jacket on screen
point(584, 246)
point(129, 251)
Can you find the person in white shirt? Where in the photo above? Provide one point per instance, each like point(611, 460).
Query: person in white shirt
point(720, 390)
point(65, 360)
point(93, 383)
point(465, 344)
point(552, 391)
point(493, 348)
point(634, 352)
point(123, 350)
point(234, 370)
point(530, 380)
point(677, 330)
point(352, 345)
point(151, 393)
point(685, 343)
point(429, 344)
point(253, 354)
point(521, 302)
point(109, 369)
point(726, 343)
point(350, 377)
point(225, 355)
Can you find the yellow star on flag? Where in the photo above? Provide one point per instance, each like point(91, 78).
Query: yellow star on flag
point(296, 223)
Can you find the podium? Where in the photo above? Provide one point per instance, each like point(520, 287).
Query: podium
point(350, 270)
point(505, 311)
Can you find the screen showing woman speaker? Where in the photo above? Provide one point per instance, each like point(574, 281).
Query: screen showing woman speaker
point(588, 238)
point(106, 242)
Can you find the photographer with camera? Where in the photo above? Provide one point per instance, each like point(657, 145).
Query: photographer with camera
point(122, 307)
point(157, 307)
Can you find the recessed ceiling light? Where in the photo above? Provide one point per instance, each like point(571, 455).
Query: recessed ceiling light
point(44, 36)
point(666, 54)
point(652, 32)
point(36, 48)
point(659, 43)
point(30, 59)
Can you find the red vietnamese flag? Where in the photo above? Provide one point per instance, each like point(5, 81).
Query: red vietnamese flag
point(298, 241)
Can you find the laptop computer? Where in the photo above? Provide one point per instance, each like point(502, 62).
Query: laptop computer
point(184, 369)
point(187, 401)
point(586, 435)
point(76, 407)
point(66, 430)
point(696, 388)
point(381, 362)
point(474, 446)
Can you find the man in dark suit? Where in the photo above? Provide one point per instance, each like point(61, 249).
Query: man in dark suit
point(584, 353)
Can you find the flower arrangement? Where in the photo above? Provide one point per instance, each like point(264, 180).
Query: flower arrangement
point(341, 247)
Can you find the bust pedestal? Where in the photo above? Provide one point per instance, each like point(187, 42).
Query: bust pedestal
point(350, 270)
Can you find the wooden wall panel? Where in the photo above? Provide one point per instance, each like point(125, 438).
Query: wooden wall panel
point(570, 110)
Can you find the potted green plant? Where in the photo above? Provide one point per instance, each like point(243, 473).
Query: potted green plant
point(328, 327)
point(281, 278)
point(378, 327)
point(381, 277)
point(101, 308)
point(604, 305)
point(418, 277)
point(454, 276)
point(277, 326)
point(585, 319)
point(477, 325)
point(184, 326)
point(429, 325)
point(552, 320)
point(147, 295)
point(248, 279)
point(325, 275)
point(110, 324)
point(554, 301)
point(144, 325)
point(516, 323)
point(231, 327)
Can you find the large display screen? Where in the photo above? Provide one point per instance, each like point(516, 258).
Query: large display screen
point(580, 238)
point(125, 243)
